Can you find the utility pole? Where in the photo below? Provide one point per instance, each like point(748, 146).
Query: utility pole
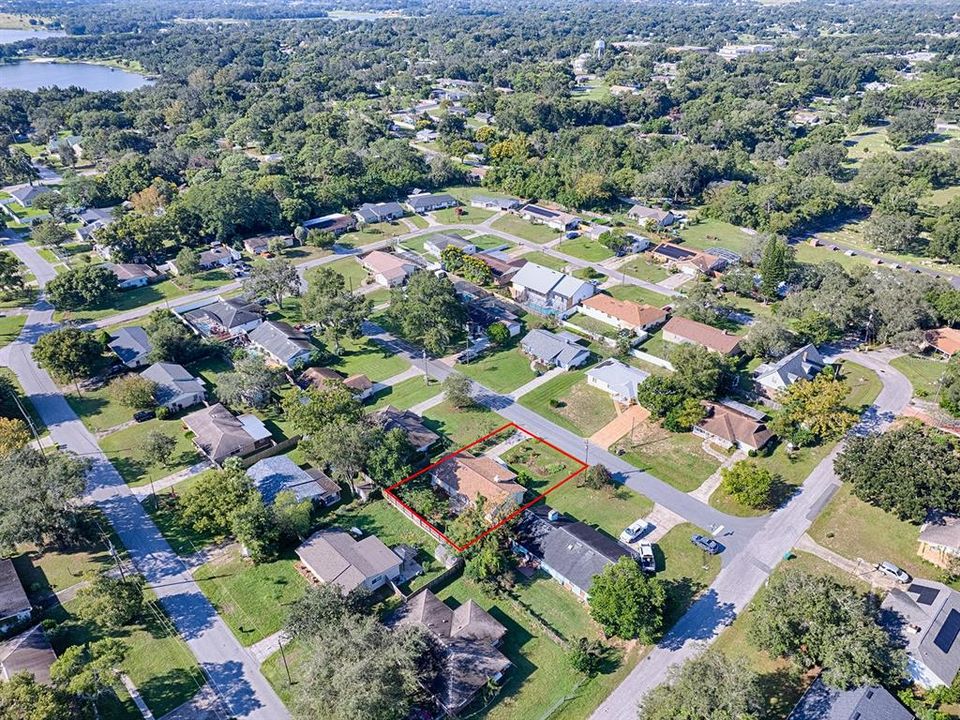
point(283, 656)
point(116, 556)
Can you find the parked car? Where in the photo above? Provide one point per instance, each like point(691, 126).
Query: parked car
point(648, 563)
point(144, 415)
point(708, 545)
point(571, 234)
point(895, 572)
point(635, 530)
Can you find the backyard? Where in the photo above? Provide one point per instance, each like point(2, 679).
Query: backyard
point(640, 295)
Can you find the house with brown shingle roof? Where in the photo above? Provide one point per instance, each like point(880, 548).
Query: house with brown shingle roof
point(623, 314)
point(945, 340)
point(334, 556)
point(732, 427)
point(317, 377)
point(465, 478)
point(679, 330)
point(220, 434)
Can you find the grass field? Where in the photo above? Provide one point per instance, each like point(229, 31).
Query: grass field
point(130, 300)
point(643, 269)
point(352, 271)
point(585, 249)
point(406, 394)
point(461, 427)
point(502, 371)
point(640, 295)
point(675, 458)
point(571, 403)
point(487, 242)
point(10, 327)
point(251, 599)
point(372, 233)
point(541, 258)
point(98, 410)
point(923, 372)
point(122, 449)
point(463, 215)
point(590, 324)
point(526, 230)
point(715, 233)
point(366, 357)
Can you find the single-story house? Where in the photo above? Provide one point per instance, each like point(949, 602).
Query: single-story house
point(669, 253)
point(688, 261)
point(925, 616)
point(556, 219)
point(317, 377)
point(281, 343)
point(467, 637)
point(680, 330)
point(133, 275)
point(548, 292)
point(494, 203)
point(74, 142)
point(571, 552)
point(334, 556)
point(617, 379)
point(873, 702)
point(176, 387)
point(15, 606)
point(26, 195)
point(232, 317)
point(29, 652)
point(436, 244)
point(945, 340)
point(420, 436)
point(939, 540)
point(261, 243)
point(503, 269)
point(487, 310)
point(218, 256)
point(388, 269)
point(560, 350)
point(132, 345)
point(733, 425)
point(220, 434)
point(465, 478)
point(280, 473)
point(801, 364)
point(428, 202)
point(92, 219)
point(379, 212)
point(336, 223)
point(651, 216)
point(623, 314)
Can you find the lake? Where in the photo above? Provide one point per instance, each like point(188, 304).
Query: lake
point(8, 35)
point(35, 75)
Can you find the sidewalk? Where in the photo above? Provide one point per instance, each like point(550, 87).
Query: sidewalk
point(535, 383)
point(144, 491)
point(710, 485)
point(860, 569)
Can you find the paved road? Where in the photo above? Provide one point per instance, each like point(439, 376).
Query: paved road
point(29, 256)
point(741, 578)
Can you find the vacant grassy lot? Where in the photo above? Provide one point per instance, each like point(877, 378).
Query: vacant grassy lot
point(640, 295)
point(571, 403)
point(541, 258)
point(463, 215)
point(122, 448)
point(461, 427)
point(526, 230)
point(592, 325)
point(365, 356)
point(128, 300)
point(644, 269)
point(406, 394)
point(488, 242)
point(710, 233)
point(923, 372)
point(502, 371)
point(372, 233)
point(98, 410)
point(676, 458)
point(352, 271)
point(585, 249)
point(252, 599)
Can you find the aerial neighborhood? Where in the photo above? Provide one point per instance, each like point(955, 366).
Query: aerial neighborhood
point(487, 362)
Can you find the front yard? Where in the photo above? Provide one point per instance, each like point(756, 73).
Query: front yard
point(571, 403)
point(10, 327)
point(640, 295)
point(528, 231)
point(122, 448)
point(502, 371)
point(675, 458)
point(924, 373)
point(586, 249)
point(404, 395)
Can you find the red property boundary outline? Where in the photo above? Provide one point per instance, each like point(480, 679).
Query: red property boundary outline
point(460, 548)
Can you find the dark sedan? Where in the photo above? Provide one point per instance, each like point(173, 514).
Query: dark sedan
point(708, 545)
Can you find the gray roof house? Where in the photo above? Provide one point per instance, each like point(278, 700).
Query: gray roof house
point(651, 216)
point(467, 636)
point(420, 436)
point(617, 379)
point(864, 703)
point(220, 434)
point(802, 364)
point(548, 292)
point(14, 605)
point(926, 616)
point(571, 552)
point(132, 345)
point(334, 556)
point(427, 202)
point(379, 212)
point(25, 195)
point(281, 343)
point(176, 387)
point(436, 244)
point(555, 349)
point(494, 203)
point(279, 473)
point(29, 652)
point(231, 317)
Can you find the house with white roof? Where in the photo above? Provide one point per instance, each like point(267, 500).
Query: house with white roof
point(388, 269)
point(617, 379)
point(548, 292)
point(651, 216)
point(557, 219)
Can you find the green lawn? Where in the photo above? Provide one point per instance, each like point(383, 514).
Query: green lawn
point(419, 221)
point(571, 403)
point(526, 230)
point(183, 539)
point(541, 258)
point(656, 345)
point(487, 242)
point(640, 295)
point(863, 383)
point(585, 249)
point(467, 215)
point(15, 388)
point(122, 449)
point(157, 660)
point(10, 327)
point(609, 510)
point(365, 356)
point(98, 410)
point(715, 233)
point(251, 599)
point(644, 269)
point(592, 325)
point(203, 281)
point(209, 369)
point(461, 427)
point(372, 233)
point(675, 458)
point(687, 569)
point(406, 394)
point(129, 300)
point(351, 270)
point(502, 371)
point(923, 372)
